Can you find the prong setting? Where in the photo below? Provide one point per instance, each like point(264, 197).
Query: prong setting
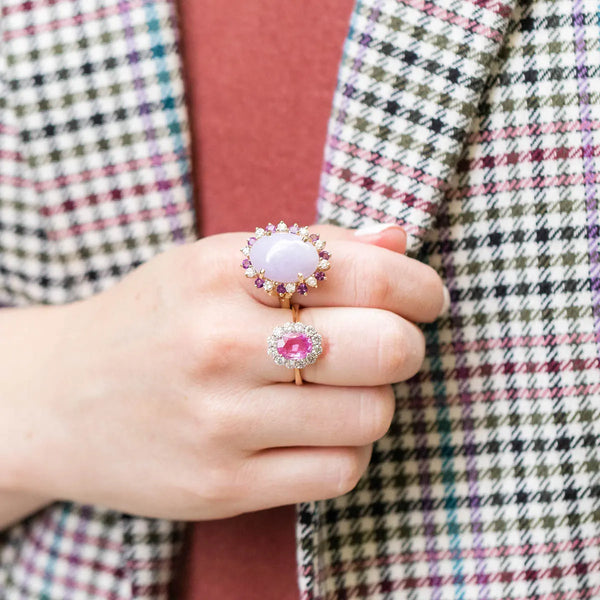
point(302, 283)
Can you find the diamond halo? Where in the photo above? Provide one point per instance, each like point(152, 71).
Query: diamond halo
point(299, 282)
point(294, 345)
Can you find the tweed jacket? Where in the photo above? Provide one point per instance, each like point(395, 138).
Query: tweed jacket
point(476, 125)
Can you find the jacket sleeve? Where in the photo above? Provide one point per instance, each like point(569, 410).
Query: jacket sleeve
point(409, 85)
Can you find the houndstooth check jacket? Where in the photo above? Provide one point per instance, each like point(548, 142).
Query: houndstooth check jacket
point(476, 124)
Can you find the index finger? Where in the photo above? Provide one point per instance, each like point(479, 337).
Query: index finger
point(368, 276)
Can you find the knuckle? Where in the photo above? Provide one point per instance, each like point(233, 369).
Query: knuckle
point(432, 284)
point(400, 351)
point(214, 354)
point(392, 351)
point(379, 291)
point(220, 424)
point(369, 282)
point(349, 469)
point(376, 413)
point(416, 356)
point(212, 486)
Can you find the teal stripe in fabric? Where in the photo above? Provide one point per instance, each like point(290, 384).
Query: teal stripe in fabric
point(57, 540)
point(170, 101)
point(444, 428)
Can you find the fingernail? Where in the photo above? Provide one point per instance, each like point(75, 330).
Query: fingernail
point(446, 304)
point(374, 229)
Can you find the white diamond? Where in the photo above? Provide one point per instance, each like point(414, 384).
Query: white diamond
point(320, 245)
point(324, 265)
point(251, 272)
point(311, 281)
point(290, 288)
point(282, 226)
point(246, 251)
point(303, 232)
point(268, 286)
point(259, 232)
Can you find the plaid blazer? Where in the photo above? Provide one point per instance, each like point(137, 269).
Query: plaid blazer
point(476, 124)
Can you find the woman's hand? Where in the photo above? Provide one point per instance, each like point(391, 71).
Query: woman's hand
point(157, 397)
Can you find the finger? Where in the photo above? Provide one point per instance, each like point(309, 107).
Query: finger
point(374, 277)
point(370, 276)
point(385, 235)
point(314, 415)
point(361, 347)
point(362, 275)
point(289, 475)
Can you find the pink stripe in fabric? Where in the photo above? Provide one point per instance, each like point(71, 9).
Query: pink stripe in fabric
point(115, 195)
point(535, 129)
point(78, 20)
point(465, 23)
point(377, 159)
point(101, 224)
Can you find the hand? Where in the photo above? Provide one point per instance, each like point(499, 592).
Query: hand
point(157, 396)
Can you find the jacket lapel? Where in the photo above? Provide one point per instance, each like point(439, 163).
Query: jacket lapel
point(410, 81)
point(94, 180)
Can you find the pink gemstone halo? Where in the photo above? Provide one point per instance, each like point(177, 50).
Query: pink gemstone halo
point(283, 260)
point(294, 345)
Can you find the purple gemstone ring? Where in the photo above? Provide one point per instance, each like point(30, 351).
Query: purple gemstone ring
point(295, 345)
point(283, 260)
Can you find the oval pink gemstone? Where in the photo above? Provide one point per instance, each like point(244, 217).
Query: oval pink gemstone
point(294, 346)
point(283, 256)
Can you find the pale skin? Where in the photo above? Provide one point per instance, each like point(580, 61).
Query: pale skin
point(157, 397)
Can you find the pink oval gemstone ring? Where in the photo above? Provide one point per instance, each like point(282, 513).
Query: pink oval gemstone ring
point(295, 345)
point(283, 260)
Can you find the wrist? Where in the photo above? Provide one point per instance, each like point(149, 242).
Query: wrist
point(34, 340)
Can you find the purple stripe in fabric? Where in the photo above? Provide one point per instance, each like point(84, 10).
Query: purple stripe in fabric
point(466, 401)
point(431, 549)
point(167, 196)
point(593, 233)
point(74, 560)
point(341, 117)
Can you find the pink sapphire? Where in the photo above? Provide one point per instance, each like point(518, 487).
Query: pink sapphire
point(294, 229)
point(314, 237)
point(324, 255)
point(302, 289)
point(251, 241)
point(271, 228)
point(320, 276)
point(246, 263)
point(281, 289)
point(294, 346)
point(259, 282)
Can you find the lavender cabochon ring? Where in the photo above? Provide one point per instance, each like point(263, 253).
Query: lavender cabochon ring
point(284, 261)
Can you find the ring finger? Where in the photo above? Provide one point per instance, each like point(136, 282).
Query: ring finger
point(361, 347)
